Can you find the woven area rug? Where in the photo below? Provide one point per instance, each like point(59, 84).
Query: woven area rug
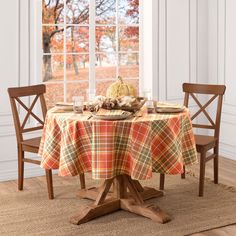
point(31, 213)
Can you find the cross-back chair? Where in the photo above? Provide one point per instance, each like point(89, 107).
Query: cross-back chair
point(204, 143)
point(30, 145)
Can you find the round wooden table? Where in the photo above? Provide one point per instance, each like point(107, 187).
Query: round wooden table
point(121, 153)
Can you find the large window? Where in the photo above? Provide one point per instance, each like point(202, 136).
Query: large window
point(87, 44)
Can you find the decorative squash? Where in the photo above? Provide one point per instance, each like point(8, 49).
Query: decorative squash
point(120, 89)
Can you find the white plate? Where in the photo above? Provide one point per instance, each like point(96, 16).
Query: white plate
point(113, 117)
point(65, 106)
point(169, 110)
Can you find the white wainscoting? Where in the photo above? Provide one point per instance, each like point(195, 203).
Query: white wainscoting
point(15, 70)
point(181, 46)
point(222, 67)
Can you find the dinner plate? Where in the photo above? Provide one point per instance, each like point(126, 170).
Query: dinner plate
point(123, 116)
point(65, 106)
point(169, 110)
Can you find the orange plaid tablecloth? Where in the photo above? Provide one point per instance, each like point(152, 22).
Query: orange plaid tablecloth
point(137, 146)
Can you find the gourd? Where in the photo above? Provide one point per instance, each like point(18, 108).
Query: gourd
point(120, 89)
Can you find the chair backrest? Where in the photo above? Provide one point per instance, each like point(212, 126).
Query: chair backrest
point(217, 91)
point(15, 95)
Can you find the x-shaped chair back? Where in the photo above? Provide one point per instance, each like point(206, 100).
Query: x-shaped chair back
point(15, 95)
point(217, 92)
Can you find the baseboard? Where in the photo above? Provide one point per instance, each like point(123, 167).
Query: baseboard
point(228, 151)
point(228, 155)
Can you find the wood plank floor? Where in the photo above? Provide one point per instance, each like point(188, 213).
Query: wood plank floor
point(227, 176)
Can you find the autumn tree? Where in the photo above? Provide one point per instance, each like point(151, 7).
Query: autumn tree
point(131, 34)
point(77, 13)
point(53, 13)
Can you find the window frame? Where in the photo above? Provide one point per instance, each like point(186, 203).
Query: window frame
point(37, 53)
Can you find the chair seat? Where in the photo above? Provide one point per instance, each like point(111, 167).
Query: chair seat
point(31, 144)
point(204, 142)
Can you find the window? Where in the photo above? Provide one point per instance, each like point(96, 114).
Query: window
point(87, 44)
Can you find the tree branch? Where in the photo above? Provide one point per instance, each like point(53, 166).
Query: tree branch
point(46, 5)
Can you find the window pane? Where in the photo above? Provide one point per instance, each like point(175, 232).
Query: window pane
point(53, 67)
point(77, 39)
point(77, 12)
point(105, 39)
point(77, 67)
point(129, 65)
point(105, 11)
point(52, 42)
point(54, 94)
point(101, 86)
point(105, 66)
point(129, 11)
point(53, 11)
point(129, 39)
point(76, 89)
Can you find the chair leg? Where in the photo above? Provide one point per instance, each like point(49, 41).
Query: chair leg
point(162, 181)
point(49, 184)
point(202, 173)
point(20, 169)
point(183, 174)
point(216, 165)
point(82, 181)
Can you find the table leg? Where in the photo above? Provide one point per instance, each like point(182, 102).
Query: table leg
point(128, 195)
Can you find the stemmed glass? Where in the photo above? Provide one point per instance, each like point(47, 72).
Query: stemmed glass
point(78, 104)
point(150, 102)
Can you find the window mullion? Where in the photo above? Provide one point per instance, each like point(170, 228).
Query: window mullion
point(92, 43)
point(65, 84)
point(140, 54)
point(117, 39)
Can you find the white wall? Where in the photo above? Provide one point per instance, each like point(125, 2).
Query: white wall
point(222, 66)
point(175, 50)
point(182, 46)
point(15, 70)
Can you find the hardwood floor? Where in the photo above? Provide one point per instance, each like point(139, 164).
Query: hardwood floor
point(227, 176)
point(224, 231)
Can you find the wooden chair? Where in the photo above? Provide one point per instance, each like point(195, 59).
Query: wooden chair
point(30, 145)
point(204, 143)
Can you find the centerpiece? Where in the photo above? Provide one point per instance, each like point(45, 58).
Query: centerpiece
point(119, 96)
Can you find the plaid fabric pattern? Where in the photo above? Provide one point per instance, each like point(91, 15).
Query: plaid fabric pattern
point(137, 146)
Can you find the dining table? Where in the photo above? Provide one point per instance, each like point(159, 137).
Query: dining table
point(120, 153)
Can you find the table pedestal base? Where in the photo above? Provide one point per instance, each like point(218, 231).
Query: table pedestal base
point(127, 194)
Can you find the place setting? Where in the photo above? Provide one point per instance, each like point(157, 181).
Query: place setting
point(115, 108)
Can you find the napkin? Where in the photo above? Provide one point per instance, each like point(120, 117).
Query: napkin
point(168, 105)
point(104, 112)
point(64, 104)
point(62, 107)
